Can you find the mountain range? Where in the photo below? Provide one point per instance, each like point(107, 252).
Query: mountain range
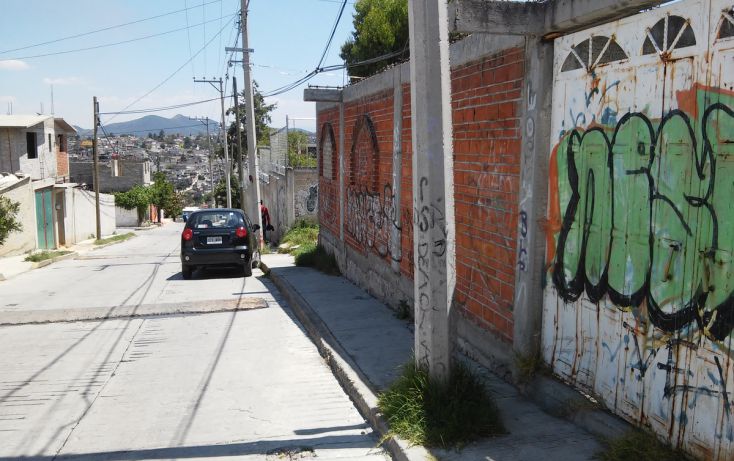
point(180, 124)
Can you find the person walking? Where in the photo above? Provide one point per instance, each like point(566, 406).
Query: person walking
point(265, 215)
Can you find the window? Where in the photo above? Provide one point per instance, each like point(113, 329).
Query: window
point(593, 52)
point(50, 143)
point(31, 147)
point(669, 33)
point(727, 24)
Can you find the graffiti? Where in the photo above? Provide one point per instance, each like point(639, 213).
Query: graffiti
point(642, 220)
point(522, 258)
point(313, 195)
point(370, 217)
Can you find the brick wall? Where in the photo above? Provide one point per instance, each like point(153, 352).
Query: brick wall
point(329, 187)
point(62, 164)
point(485, 104)
point(486, 96)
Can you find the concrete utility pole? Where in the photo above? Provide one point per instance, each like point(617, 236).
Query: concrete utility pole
point(253, 207)
point(95, 157)
point(433, 184)
point(239, 143)
point(209, 147)
point(224, 137)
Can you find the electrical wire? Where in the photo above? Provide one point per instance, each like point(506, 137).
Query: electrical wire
point(160, 109)
point(103, 29)
point(177, 70)
point(150, 130)
point(333, 31)
point(188, 36)
point(106, 45)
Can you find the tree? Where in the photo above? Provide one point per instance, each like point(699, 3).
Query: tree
point(220, 192)
point(187, 143)
point(137, 198)
point(262, 120)
point(8, 223)
point(380, 27)
point(162, 194)
point(298, 150)
point(161, 135)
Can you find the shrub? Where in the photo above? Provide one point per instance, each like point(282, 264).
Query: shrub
point(8, 223)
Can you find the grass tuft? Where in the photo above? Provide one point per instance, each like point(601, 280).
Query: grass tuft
point(640, 446)
point(432, 414)
point(302, 233)
point(403, 311)
point(44, 255)
point(316, 256)
point(115, 238)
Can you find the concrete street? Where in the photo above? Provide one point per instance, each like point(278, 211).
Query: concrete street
point(235, 384)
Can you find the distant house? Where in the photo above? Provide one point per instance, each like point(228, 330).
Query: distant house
point(35, 145)
point(34, 172)
point(115, 175)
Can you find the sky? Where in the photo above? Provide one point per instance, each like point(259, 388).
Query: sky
point(288, 38)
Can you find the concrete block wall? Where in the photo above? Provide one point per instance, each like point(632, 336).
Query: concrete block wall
point(131, 173)
point(14, 151)
point(306, 192)
point(376, 250)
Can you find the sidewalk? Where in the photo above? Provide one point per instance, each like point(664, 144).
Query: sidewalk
point(366, 345)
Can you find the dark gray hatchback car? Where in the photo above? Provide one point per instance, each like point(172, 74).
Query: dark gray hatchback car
point(219, 237)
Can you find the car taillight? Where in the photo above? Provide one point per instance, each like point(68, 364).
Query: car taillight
point(241, 232)
point(188, 234)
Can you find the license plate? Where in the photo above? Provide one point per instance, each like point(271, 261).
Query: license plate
point(214, 240)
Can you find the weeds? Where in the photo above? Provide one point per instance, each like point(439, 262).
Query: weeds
point(316, 256)
point(115, 238)
point(44, 255)
point(432, 414)
point(640, 446)
point(403, 310)
point(301, 234)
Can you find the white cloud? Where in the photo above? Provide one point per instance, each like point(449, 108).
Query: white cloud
point(62, 81)
point(13, 64)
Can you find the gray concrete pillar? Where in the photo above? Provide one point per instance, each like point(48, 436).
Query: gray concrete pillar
point(342, 179)
point(433, 184)
point(535, 125)
point(396, 249)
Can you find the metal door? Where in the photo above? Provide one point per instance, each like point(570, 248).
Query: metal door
point(45, 219)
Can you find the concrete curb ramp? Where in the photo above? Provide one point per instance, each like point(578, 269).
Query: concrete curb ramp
point(8, 318)
point(346, 371)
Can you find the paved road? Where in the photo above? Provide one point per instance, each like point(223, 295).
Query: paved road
point(244, 384)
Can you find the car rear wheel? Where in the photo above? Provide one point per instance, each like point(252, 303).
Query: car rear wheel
point(247, 270)
point(186, 272)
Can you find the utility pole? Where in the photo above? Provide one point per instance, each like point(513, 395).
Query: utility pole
point(224, 137)
point(95, 157)
point(239, 143)
point(433, 184)
point(209, 147)
point(252, 161)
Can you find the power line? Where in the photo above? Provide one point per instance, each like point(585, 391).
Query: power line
point(178, 69)
point(333, 31)
point(188, 36)
point(151, 130)
point(317, 69)
point(104, 29)
point(106, 44)
point(160, 109)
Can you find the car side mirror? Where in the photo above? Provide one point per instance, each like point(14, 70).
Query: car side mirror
point(256, 227)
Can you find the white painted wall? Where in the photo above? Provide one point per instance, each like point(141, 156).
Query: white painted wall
point(25, 240)
point(126, 218)
point(79, 219)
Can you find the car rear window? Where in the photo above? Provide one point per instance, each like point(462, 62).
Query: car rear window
point(216, 219)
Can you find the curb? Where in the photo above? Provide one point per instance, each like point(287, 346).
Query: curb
point(352, 380)
point(105, 245)
point(47, 262)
